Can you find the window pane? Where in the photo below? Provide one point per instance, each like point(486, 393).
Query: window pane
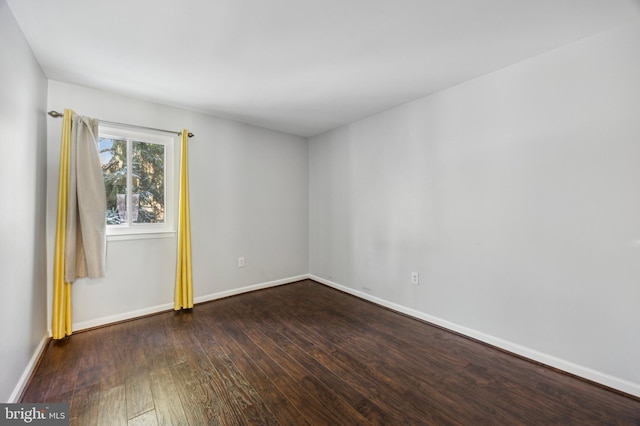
point(113, 155)
point(147, 181)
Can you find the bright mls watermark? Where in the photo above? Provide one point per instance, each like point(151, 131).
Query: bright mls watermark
point(34, 414)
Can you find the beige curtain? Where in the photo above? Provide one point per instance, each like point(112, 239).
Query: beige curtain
point(81, 228)
point(86, 225)
point(184, 282)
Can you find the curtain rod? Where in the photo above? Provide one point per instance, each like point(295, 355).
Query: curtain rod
point(56, 114)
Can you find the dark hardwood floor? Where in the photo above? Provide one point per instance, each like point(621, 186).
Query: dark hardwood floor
point(302, 354)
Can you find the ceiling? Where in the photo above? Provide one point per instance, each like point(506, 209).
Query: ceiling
point(298, 66)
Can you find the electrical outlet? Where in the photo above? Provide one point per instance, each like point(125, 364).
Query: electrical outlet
point(241, 262)
point(415, 278)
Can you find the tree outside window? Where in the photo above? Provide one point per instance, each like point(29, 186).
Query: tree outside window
point(135, 178)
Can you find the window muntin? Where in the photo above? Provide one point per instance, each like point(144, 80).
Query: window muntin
point(138, 174)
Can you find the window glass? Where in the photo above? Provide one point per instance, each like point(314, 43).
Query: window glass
point(113, 154)
point(147, 193)
point(138, 178)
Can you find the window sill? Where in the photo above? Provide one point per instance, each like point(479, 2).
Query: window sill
point(141, 236)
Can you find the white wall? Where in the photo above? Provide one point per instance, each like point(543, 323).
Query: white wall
point(23, 89)
point(249, 197)
point(516, 196)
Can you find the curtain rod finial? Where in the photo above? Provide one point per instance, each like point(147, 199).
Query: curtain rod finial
point(190, 134)
point(55, 114)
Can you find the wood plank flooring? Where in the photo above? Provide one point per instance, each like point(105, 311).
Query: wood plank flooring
point(306, 354)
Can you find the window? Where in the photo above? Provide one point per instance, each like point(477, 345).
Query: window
point(138, 176)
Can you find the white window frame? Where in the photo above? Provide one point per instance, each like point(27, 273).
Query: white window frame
point(146, 230)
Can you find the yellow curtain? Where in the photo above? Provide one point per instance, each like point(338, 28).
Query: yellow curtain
point(61, 318)
point(184, 280)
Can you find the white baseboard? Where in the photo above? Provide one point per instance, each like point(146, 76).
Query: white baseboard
point(167, 306)
point(254, 287)
point(28, 371)
point(578, 370)
point(79, 326)
point(561, 364)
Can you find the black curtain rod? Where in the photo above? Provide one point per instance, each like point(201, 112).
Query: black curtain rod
point(56, 114)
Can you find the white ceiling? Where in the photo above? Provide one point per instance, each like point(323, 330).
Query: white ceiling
point(299, 66)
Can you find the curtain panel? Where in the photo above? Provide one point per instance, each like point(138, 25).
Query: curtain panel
point(80, 246)
point(184, 281)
